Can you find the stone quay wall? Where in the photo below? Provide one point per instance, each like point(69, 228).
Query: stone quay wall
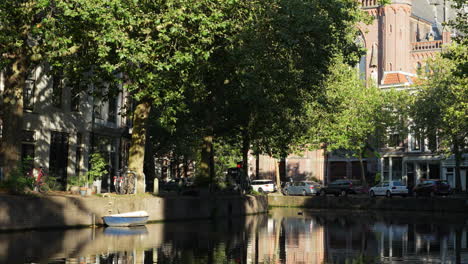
point(29, 212)
point(422, 204)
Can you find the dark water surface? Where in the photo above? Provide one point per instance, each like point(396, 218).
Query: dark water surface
point(283, 236)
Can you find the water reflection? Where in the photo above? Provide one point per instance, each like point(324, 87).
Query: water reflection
point(283, 236)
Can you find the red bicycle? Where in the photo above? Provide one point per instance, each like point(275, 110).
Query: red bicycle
point(39, 184)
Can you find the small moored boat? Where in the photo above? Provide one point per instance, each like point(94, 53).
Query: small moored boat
point(126, 219)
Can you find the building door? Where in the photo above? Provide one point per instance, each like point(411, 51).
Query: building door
point(58, 158)
point(337, 170)
point(434, 171)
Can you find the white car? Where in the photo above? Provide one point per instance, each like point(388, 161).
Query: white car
point(263, 186)
point(389, 189)
point(302, 188)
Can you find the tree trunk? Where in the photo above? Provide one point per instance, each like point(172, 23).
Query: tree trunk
point(150, 167)
point(257, 165)
point(212, 167)
point(205, 164)
point(12, 114)
point(185, 167)
point(458, 159)
point(278, 180)
point(137, 147)
point(363, 172)
point(245, 152)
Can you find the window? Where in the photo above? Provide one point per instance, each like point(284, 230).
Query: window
point(57, 89)
point(112, 113)
point(416, 141)
point(28, 94)
point(398, 183)
point(386, 168)
point(27, 148)
point(58, 158)
point(450, 176)
point(75, 102)
point(98, 110)
point(27, 155)
point(28, 136)
point(395, 141)
point(362, 62)
point(433, 142)
point(397, 167)
point(423, 168)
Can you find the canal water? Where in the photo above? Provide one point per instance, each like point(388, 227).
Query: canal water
point(282, 236)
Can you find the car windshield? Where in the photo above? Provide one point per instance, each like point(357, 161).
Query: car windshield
point(398, 183)
point(442, 182)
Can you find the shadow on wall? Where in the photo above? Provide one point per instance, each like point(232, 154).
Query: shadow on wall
point(22, 212)
point(161, 241)
point(223, 216)
point(293, 171)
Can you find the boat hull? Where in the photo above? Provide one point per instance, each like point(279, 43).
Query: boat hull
point(125, 221)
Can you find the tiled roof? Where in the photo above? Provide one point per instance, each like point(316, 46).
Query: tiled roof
point(394, 78)
point(398, 78)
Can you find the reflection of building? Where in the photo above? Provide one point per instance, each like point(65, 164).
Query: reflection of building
point(290, 239)
point(61, 123)
point(304, 241)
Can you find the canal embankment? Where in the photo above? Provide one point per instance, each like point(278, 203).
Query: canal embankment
point(421, 204)
point(48, 211)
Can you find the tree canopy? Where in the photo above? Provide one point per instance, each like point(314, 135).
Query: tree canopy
point(440, 107)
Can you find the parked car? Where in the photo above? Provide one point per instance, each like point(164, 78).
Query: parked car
point(302, 188)
point(343, 187)
point(263, 186)
point(432, 188)
point(389, 189)
point(176, 184)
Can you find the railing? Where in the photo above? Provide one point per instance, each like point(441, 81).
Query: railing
point(369, 3)
point(426, 45)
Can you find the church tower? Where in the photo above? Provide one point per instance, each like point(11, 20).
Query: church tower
point(395, 36)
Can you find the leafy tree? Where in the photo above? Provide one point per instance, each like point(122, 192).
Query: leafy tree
point(259, 85)
point(440, 107)
point(351, 115)
point(150, 47)
point(20, 51)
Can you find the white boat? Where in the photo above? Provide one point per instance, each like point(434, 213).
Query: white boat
point(127, 219)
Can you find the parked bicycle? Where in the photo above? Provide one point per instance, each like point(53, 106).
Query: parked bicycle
point(125, 181)
point(39, 180)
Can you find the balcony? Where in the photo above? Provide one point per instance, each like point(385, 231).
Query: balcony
point(426, 45)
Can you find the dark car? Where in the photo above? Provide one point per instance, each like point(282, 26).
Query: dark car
point(432, 188)
point(343, 187)
point(176, 184)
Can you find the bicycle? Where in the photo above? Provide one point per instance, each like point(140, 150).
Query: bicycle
point(125, 181)
point(38, 177)
point(41, 187)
